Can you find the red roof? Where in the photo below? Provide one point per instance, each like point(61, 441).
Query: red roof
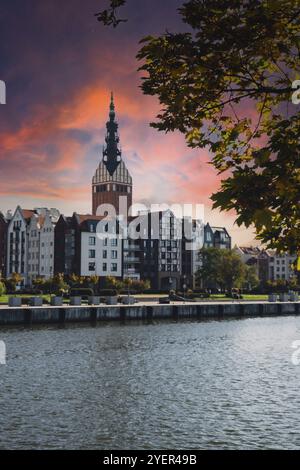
point(27, 214)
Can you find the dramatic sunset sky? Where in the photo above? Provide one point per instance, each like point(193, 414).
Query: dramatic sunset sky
point(59, 65)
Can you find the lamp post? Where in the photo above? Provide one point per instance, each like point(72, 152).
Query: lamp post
point(184, 286)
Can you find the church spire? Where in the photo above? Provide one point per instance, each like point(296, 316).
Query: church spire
point(112, 113)
point(111, 152)
point(112, 179)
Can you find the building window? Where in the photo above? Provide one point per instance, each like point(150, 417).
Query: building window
point(92, 254)
point(114, 242)
point(92, 267)
point(92, 241)
point(104, 267)
point(104, 254)
point(114, 267)
point(114, 254)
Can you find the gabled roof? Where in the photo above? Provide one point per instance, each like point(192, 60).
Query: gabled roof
point(250, 250)
point(220, 230)
point(80, 218)
point(3, 218)
point(27, 213)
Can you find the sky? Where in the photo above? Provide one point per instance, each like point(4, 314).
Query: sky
point(60, 65)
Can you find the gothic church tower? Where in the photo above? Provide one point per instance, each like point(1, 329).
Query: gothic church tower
point(111, 179)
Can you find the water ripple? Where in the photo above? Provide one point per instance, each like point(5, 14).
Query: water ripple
point(207, 385)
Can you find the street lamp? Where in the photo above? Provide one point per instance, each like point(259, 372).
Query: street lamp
point(184, 286)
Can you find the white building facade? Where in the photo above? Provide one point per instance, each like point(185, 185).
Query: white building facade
point(101, 254)
point(17, 244)
point(281, 266)
point(30, 247)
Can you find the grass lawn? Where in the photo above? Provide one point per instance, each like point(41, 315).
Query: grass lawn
point(256, 296)
point(245, 297)
point(148, 295)
point(4, 298)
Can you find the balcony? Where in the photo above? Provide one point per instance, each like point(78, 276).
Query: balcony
point(131, 247)
point(131, 259)
point(131, 274)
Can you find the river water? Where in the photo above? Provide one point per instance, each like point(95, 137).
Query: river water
point(188, 385)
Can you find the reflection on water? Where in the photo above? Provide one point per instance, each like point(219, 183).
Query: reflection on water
point(207, 385)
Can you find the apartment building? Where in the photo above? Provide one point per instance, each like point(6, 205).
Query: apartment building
point(270, 266)
point(3, 244)
point(30, 243)
point(192, 242)
point(161, 249)
point(17, 243)
point(100, 250)
point(281, 266)
point(40, 233)
point(88, 245)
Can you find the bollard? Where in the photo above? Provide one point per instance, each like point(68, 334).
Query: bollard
point(56, 301)
point(75, 301)
point(14, 302)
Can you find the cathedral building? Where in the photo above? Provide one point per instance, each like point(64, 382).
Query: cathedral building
point(112, 179)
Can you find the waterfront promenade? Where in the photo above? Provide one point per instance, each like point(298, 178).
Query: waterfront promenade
point(144, 311)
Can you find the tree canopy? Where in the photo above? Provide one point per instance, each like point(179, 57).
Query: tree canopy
point(227, 84)
point(221, 268)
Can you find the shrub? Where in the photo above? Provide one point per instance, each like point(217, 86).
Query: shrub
point(30, 292)
point(10, 286)
point(2, 288)
point(82, 292)
point(108, 292)
point(25, 300)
